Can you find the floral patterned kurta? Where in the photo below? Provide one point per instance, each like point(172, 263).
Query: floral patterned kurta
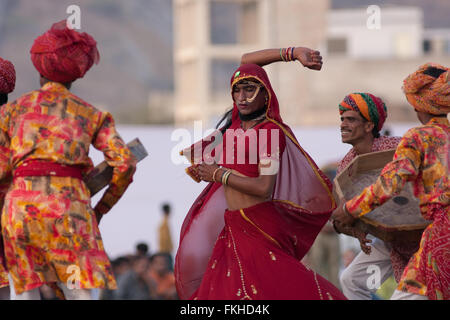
point(423, 158)
point(379, 144)
point(49, 229)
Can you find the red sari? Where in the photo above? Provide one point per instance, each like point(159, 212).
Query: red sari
point(256, 252)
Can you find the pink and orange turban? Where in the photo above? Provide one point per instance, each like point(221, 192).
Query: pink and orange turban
point(369, 106)
point(7, 76)
point(428, 89)
point(64, 55)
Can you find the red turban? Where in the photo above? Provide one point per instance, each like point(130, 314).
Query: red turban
point(428, 89)
point(64, 55)
point(7, 76)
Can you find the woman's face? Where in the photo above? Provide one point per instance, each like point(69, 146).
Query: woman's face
point(249, 96)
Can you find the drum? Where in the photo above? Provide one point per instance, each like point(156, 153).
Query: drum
point(397, 220)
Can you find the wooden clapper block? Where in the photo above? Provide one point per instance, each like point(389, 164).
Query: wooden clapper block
point(397, 220)
point(101, 175)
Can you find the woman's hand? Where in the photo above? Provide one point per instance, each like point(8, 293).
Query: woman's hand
point(309, 58)
point(206, 172)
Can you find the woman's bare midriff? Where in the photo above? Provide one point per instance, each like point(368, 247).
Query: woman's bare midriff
point(237, 200)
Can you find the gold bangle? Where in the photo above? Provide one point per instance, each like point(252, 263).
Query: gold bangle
point(221, 178)
point(225, 177)
point(214, 174)
point(281, 54)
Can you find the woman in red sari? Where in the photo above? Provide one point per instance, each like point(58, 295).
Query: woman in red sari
point(275, 201)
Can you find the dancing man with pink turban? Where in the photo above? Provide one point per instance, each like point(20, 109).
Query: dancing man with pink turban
point(421, 158)
point(7, 84)
point(7, 80)
point(50, 231)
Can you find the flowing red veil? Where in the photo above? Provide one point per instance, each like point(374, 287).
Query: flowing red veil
point(302, 195)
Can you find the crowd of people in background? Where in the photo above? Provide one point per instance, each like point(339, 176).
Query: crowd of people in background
point(145, 275)
point(140, 276)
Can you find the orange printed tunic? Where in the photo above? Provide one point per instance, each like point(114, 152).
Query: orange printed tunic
point(422, 157)
point(49, 229)
point(4, 281)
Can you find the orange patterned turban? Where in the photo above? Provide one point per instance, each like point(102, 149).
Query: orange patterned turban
point(369, 106)
point(64, 55)
point(7, 76)
point(428, 89)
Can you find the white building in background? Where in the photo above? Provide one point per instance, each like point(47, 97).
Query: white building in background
point(399, 32)
point(211, 36)
point(436, 42)
point(376, 60)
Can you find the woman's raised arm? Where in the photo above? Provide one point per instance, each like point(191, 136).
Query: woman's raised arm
point(308, 58)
